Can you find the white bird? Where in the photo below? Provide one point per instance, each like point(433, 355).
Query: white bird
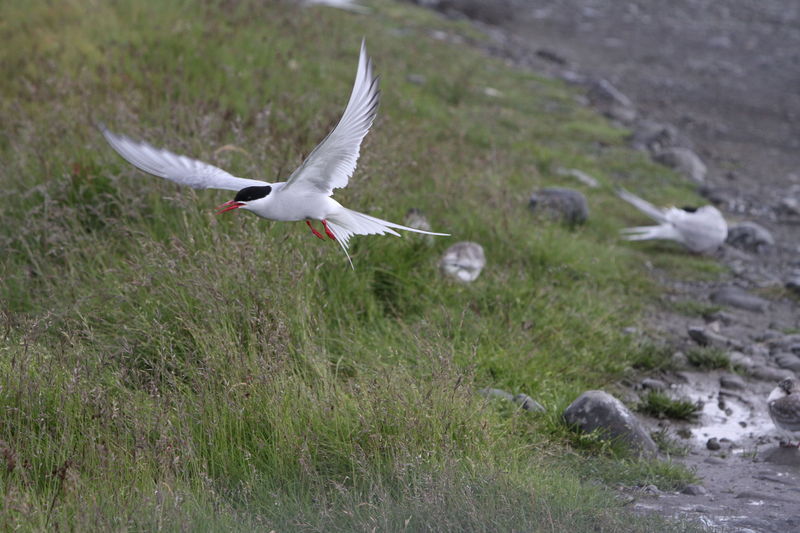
point(347, 5)
point(306, 194)
point(784, 406)
point(699, 229)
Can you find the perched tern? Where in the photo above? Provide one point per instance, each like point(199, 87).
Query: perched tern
point(784, 406)
point(699, 229)
point(306, 194)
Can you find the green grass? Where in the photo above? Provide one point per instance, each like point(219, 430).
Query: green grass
point(660, 405)
point(708, 358)
point(162, 368)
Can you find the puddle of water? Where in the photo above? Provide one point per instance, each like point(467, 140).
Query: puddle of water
point(737, 420)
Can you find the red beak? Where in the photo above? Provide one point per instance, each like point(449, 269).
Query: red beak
point(228, 206)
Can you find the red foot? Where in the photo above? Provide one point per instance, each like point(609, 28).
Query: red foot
point(327, 230)
point(315, 232)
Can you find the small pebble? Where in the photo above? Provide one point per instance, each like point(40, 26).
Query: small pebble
point(713, 444)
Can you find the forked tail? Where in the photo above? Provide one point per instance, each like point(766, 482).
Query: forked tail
point(346, 223)
point(643, 233)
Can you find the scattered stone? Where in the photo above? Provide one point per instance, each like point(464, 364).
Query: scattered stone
point(736, 297)
point(720, 317)
point(597, 409)
point(528, 403)
point(684, 161)
point(492, 92)
point(705, 509)
point(731, 381)
point(416, 79)
point(788, 360)
point(713, 444)
point(652, 490)
point(653, 384)
point(552, 56)
point(694, 490)
point(706, 337)
point(789, 206)
point(738, 359)
point(463, 261)
point(496, 393)
point(579, 175)
point(565, 205)
point(760, 496)
point(750, 236)
point(768, 373)
point(653, 136)
point(611, 101)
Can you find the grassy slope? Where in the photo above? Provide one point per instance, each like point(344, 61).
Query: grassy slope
point(161, 367)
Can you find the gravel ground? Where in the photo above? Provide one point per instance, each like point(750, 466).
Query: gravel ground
point(726, 76)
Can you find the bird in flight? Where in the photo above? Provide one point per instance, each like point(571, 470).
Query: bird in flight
point(699, 229)
point(306, 194)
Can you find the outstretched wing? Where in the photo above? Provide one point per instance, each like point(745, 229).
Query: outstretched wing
point(177, 168)
point(642, 205)
point(330, 165)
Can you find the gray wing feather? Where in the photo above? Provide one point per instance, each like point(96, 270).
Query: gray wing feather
point(330, 165)
point(178, 168)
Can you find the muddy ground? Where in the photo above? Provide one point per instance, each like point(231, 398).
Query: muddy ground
point(726, 75)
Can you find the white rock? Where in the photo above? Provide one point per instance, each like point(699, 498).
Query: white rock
point(463, 261)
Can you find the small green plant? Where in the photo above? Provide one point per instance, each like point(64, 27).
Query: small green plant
point(660, 405)
point(669, 445)
point(708, 358)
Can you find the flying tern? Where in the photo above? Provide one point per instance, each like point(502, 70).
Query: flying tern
point(306, 194)
point(784, 406)
point(699, 229)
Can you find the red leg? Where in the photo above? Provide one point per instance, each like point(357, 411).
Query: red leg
point(315, 232)
point(328, 230)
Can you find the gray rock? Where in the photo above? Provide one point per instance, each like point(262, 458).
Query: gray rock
point(684, 161)
point(750, 236)
point(496, 393)
point(736, 297)
point(788, 360)
point(528, 403)
point(579, 175)
point(714, 460)
point(741, 360)
point(653, 136)
point(564, 205)
point(653, 384)
point(611, 101)
point(768, 373)
point(416, 79)
point(694, 490)
point(706, 337)
point(731, 381)
point(463, 261)
point(598, 410)
point(713, 444)
point(789, 207)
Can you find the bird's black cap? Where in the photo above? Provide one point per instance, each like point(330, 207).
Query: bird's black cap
point(248, 194)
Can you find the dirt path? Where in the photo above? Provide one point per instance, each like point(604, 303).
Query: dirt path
point(726, 75)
